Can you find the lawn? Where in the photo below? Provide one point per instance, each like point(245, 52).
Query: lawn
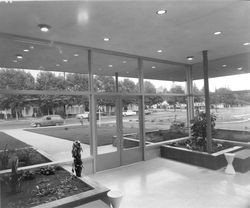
point(11, 142)
point(105, 133)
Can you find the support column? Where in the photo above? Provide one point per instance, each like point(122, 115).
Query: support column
point(141, 109)
point(119, 129)
point(207, 102)
point(190, 97)
point(92, 110)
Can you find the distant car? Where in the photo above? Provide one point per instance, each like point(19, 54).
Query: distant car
point(50, 120)
point(84, 115)
point(128, 113)
point(147, 112)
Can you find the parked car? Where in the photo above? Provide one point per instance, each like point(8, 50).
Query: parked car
point(147, 112)
point(50, 120)
point(128, 113)
point(84, 115)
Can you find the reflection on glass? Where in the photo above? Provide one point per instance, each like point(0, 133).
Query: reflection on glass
point(57, 116)
point(106, 125)
point(165, 118)
point(131, 137)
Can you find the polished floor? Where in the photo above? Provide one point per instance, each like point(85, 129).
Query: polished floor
point(162, 183)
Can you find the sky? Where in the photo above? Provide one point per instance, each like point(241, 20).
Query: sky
point(234, 82)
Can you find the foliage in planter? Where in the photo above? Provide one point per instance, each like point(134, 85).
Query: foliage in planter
point(198, 128)
point(4, 158)
point(177, 126)
point(44, 188)
point(13, 181)
point(49, 170)
point(191, 144)
point(26, 156)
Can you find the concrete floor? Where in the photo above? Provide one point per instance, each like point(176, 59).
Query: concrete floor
point(162, 183)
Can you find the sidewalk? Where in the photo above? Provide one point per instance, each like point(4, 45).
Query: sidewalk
point(57, 149)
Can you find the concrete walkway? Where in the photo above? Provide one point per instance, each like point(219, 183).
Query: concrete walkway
point(56, 149)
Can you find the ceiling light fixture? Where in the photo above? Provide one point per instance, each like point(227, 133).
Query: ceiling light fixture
point(127, 72)
point(159, 51)
point(246, 44)
point(26, 50)
point(217, 33)
point(106, 39)
point(57, 64)
point(15, 61)
point(110, 65)
point(65, 60)
point(76, 54)
point(161, 12)
point(239, 68)
point(190, 58)
point(19, 56)
point(153, 67)
point(31, 47)
point(224, 65)
point(124, 62)
point(44, 28)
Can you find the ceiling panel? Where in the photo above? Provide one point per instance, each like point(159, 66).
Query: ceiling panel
point(134, 28)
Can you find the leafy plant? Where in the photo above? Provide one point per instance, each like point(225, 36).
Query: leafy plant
point(4, 158)
point(49, 170)
point(13, 181)
point(198, 128)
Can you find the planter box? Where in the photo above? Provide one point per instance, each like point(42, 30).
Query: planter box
point(241, 161)
point(68, 194)
point(233, 135)
point(213, 161)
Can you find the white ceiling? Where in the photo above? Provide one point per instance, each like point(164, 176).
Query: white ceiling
point(133, 28)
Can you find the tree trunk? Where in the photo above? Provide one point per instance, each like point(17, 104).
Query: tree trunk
point(16, 114)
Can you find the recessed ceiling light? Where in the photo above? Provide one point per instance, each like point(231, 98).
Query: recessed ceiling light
point(44, 28)
point(31, 47)
point(15, 61)
point(217, 33)
point(162, 11)
point(65, 60)
point(106, 39)
point(124, 62)
point(239, 68)
point(110, 65)
point(159, 51)
point(76, 54)
point(246, 44)
point(224, 65)
point(26, 50)
point(127, 72)
point(57, 64)
point(190, 58)
point(153, 67)
point(19, 56)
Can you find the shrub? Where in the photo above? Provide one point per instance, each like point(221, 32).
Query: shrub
point(198, 128)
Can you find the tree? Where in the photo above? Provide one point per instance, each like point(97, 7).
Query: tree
point(173, 100)
point(49, 81)
point(104, 83)
point(198, 94)
point(17, 80)
point(128, 86)
point(151, 100)
point(223, 95)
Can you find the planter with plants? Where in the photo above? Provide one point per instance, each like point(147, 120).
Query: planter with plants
point(194, 150)
point(43, 186)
